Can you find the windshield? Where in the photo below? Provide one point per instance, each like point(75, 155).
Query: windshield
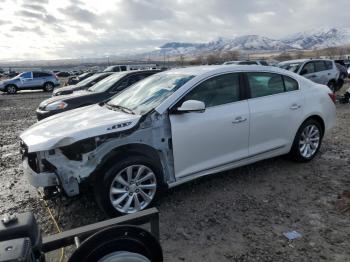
point(106, 83)
point(294, 67)
point(150, 92)
point(88, 80)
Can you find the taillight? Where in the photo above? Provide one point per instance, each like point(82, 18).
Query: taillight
point(332, 96)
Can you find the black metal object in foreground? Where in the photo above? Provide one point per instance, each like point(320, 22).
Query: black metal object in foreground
point(66, 238)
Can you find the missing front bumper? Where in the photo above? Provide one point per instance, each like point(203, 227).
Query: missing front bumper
point(44, 179)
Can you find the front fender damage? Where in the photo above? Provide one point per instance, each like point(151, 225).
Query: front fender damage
point(74, 163)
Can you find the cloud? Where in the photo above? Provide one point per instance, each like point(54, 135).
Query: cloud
point(75, 28)
point(80, 14)
point(4, 22)
point(25, 29)
point(42, 16)
point(34, 7)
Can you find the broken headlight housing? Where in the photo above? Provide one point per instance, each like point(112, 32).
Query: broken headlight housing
point(77, 149)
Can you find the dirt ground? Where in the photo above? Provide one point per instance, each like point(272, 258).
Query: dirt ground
point(239, 215)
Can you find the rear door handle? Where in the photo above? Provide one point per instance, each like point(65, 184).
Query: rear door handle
point(295, 107)
point(239, 119)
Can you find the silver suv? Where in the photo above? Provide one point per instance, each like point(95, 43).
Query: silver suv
point(321, 71)
point(30, 80)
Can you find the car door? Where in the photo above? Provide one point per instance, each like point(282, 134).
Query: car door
point(26, 80)
point(39, 79)
point(309, 71)
point(321, 72)
point(215, 137)
point(276, 110)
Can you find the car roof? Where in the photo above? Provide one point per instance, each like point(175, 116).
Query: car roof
point(199, 70)
point(303, 60)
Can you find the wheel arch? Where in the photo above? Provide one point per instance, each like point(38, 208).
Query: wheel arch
point(317, 118)
point(11, 84)
point(46, 82)
point(125, 151)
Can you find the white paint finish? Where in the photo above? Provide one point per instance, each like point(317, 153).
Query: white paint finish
point(74, 125)
point(209, 139)
point(274, 121)
point(207, 142)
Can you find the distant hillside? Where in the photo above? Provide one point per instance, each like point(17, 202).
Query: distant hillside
point(308, 40)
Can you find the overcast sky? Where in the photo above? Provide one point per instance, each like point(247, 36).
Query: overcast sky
point(49, 29)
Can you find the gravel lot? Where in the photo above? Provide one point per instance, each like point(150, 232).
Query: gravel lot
point(239, 215)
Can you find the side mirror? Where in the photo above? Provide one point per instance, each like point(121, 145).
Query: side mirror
point(303, 72)
point(191, 106)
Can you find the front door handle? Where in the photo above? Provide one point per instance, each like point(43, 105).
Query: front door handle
point(295, 107)
point(239, 119)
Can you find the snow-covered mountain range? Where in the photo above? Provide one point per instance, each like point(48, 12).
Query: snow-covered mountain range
point(308, 40)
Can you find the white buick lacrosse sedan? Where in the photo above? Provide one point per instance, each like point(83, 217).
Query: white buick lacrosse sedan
point(176, 126)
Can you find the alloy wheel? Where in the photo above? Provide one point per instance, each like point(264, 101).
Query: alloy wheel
point(48, 87)
point(309, 141)
point(11, 89)
point(133, 189)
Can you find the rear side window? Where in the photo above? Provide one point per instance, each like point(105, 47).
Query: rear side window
point(320, 66)
point(263, 63)
point(248, 63)
point(41, 74)
point(290, 84)
point(217, 90)
point(329, 65)
point(265, 84)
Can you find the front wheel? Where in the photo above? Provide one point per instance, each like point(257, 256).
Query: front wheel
point(11, 89)
point(307, 141)
point(128, 186)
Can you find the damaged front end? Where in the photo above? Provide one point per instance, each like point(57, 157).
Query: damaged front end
point(68, 164)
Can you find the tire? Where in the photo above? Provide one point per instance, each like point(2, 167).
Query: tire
point(332, 85)
point(11, 89)
point(119, 244)
point(116, 186)
point(48, 87)
point(302, 150)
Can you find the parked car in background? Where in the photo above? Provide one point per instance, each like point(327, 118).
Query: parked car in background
point(321, 71)
point(97, 93)
point(73, 80)
point(174, 127)
point(121, 68)
point(82, 85)
point(247, 62)
point(30, 80)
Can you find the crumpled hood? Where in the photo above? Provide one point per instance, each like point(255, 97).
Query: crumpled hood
point(75, 125)
point(50, 100)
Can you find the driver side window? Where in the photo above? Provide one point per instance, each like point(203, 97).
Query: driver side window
point(216, 91)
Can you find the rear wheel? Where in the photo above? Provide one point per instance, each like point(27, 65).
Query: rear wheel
point(130, 185)
point(11, 89)
point(48, 87)
point(307, 141)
